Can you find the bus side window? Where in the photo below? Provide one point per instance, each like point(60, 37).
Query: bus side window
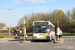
point(52, 28)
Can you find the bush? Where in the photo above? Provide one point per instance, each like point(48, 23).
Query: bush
point(21, 34)
point(19, 37)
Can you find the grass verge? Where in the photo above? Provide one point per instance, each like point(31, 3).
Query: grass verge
point(28, 34)
point(6, 36)
point(68, 34)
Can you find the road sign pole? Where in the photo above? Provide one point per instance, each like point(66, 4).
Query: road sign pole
point(24, 29)
point(58, 30)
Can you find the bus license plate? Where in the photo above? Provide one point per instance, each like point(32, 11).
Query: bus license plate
point(44, 35)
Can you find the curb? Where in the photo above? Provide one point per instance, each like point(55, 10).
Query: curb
point(25, 41)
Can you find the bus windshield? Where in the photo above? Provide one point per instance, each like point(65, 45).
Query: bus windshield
point(40, 29)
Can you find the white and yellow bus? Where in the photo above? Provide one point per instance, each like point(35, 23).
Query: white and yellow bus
point(43, 30)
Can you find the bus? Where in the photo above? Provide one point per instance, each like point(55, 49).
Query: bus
point(43, 30)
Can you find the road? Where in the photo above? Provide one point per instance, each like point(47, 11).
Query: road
point(69, 44)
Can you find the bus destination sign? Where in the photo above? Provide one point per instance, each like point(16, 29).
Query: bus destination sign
point(41, 23)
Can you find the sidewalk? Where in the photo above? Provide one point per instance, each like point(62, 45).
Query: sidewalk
point(5, 39)
point(12, 40)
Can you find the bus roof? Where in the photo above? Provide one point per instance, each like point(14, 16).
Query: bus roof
point(45, 21)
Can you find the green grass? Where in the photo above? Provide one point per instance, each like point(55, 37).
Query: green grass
point(4, 36)
point(28, 34)
point(68, 34)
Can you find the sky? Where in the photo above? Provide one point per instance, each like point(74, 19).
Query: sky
point(19, 8)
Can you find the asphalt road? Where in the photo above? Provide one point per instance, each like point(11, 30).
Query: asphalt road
point(69, 44)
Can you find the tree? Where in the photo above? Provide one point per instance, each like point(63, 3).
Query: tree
point(59, 15)
point(64, 20)
point(73, 15)
point(69, 15)
point(2, 25)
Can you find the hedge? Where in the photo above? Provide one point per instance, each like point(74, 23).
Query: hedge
point(68, 34)
point(64, 34)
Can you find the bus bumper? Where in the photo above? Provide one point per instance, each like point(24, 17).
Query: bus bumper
point(47, 38)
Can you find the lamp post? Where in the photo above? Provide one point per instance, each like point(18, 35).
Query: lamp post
point(9, 22)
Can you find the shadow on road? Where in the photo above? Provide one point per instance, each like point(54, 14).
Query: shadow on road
point(29, 39)
point(20, 40)
point(39, 41)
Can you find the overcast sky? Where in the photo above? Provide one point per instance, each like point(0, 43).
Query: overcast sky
point(19, 8)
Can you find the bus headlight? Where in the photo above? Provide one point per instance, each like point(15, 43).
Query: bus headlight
point(49, 34)
point(33, 34)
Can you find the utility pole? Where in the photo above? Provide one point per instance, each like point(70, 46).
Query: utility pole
point(9, 22)
point(58, 29)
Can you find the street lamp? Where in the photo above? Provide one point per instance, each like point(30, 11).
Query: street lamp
point(9, 22)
